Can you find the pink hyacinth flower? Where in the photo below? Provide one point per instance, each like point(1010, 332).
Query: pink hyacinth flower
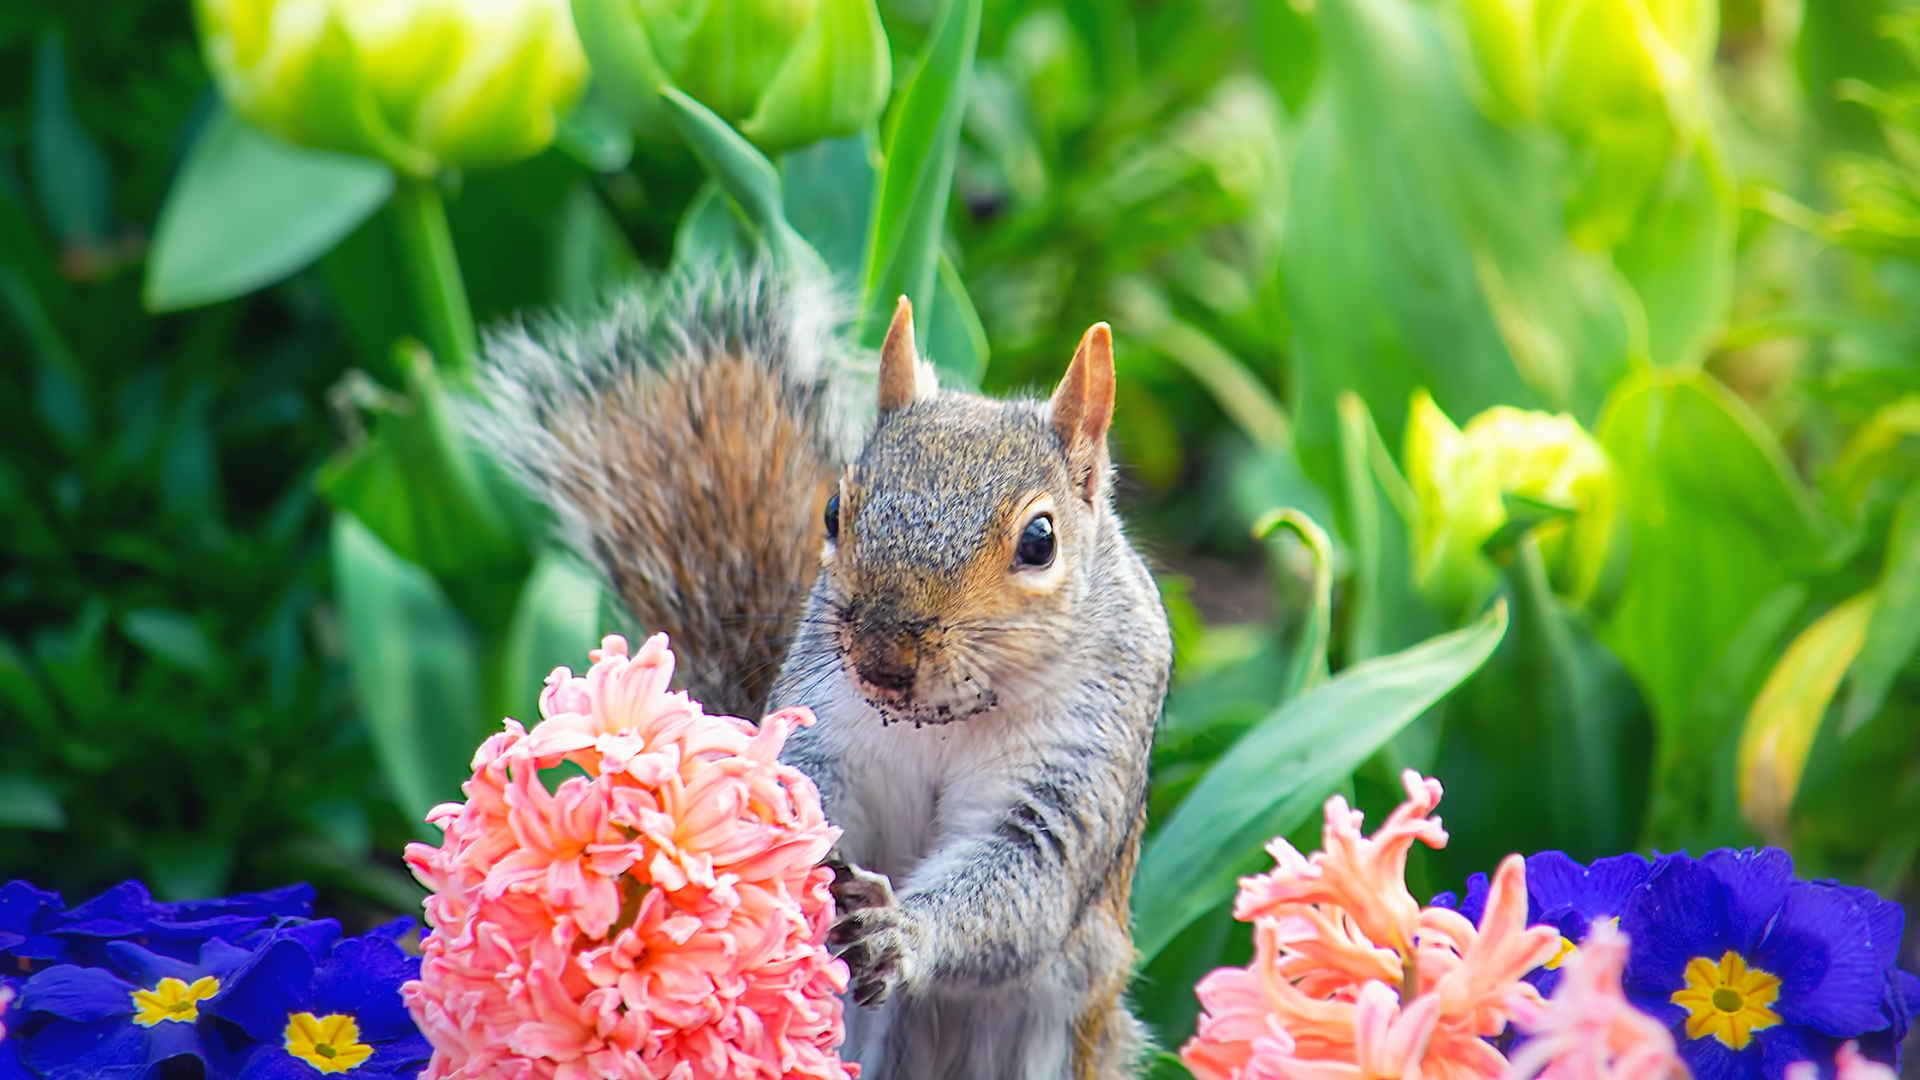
point(1849, 1064)
point(661, 916)
point(1589, 1031)
point(1352, 980)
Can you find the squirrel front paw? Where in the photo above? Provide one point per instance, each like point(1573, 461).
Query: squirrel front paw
point(872, 933)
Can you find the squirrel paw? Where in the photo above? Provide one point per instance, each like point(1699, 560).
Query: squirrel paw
point(873, 942)
point(855, 889)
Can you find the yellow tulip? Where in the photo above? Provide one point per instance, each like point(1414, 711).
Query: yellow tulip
point(786, 72)
point(1461, 478)
point(421, 84)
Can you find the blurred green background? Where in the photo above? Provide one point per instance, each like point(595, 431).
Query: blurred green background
point(259, 598)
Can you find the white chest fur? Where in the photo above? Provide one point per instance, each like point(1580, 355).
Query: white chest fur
point(903, 790)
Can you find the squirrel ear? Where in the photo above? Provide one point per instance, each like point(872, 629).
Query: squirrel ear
point(1083, 409)
point(903, 378)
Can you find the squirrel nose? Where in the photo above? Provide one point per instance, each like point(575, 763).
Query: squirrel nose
point(888, 665)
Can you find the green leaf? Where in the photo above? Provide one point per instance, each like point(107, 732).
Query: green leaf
point(172, 636)
point(556, 623)
point(829, 200)
point(1425, 244)
point(1546, 746)
point(743, 172)
point(626, 73)
point(21, 692)
point(415, 484)
point(1387, 611)
point(709, 231)
point(1307, 667)
point(187, 866)
point(956, 342)
point(415, 668)
point(1276, 775)
point(1718, 523)
point(1679, 259)
point(1893, 634)
point(70, 178)
point(1786, 714)
point(248, 210)
point(904, 257)
point(26, 803)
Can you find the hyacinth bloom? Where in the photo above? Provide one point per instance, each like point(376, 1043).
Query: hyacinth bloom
point(1352, 979)
point(659, 913)
point(1849, 1064)
point(1589, 1031)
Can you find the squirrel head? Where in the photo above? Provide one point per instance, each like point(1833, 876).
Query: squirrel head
point(964, 545)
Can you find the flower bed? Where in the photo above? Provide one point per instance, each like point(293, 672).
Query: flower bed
point(634, 888)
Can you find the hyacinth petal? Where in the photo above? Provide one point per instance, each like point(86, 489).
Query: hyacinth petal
point(656, 917)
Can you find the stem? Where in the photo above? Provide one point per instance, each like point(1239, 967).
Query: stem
point(434, 272)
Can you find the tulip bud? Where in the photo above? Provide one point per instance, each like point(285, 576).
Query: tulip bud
point(1506, 50)
point(1461, 479)
point(1617, 79)
point(785, 72)
point(421, 84)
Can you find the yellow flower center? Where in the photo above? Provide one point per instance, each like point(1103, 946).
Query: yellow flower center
point(1567, 948)
point(1727, 1000)
point(173, 1000)
point(328, 1043)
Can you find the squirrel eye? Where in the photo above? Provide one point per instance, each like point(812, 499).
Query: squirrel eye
point(1036, 544)
point(833, 517)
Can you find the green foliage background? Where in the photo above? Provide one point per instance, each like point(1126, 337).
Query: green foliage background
point(1295, 213)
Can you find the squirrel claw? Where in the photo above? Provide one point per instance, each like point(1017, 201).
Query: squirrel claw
point(873, 943)
point(872, 938)
point(855, 889)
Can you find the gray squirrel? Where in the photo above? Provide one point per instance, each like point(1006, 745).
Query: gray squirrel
point(943, 581)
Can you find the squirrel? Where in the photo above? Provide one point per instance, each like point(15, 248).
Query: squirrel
point(953, 597)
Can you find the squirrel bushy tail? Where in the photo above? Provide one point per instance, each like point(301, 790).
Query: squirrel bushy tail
point(687, 438)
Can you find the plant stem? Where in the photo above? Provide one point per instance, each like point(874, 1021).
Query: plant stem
point(434, 273)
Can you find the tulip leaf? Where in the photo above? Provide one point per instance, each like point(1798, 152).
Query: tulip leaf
point(1307, 667)
point(744, 173)
point(415, 667)
point(248, 210)
point(1270, 781)
point(910, 219)
point(709, 231)
point(556, 622)
point(26, 803)
point(1786, 714)
point(1548, 742)
point(70, 176)
point(829, 199)
point(414, 482)
point(956, 342)
point(1425, 244)
point(1716, 515)
point(1680, 259)
point(1387, 612)
point(172, 636)
point(626, 73)
point(1893, 633)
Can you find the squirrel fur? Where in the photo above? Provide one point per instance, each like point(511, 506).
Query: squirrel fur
point(985, 716)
